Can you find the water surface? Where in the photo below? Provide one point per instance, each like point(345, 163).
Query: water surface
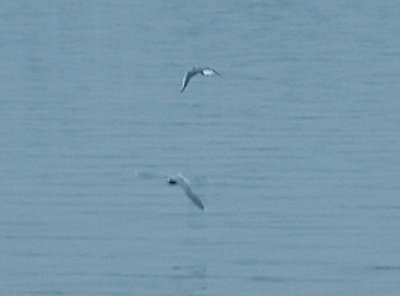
point(295, 151)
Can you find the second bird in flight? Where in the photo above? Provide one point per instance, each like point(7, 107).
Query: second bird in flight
point(206, 71)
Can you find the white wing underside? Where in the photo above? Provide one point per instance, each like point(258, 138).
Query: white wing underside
point(184, 80)
point(208, 72)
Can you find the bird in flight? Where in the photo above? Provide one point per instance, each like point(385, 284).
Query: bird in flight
point(181, 181)
point(206, 71)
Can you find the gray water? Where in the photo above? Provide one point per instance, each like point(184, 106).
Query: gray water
point(294, 151)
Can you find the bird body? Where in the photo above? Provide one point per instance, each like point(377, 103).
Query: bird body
point(205, 71)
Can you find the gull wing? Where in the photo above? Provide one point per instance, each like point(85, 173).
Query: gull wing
point(185, 80)
point(189, 74)
point(183, 182)
point(147, 175)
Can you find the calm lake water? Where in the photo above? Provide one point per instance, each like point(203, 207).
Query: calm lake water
point(295, 151)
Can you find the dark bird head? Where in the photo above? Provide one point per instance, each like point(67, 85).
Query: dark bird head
point(171, 181)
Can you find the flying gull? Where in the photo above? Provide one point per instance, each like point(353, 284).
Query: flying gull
point(181, 181)
point(203, 71)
